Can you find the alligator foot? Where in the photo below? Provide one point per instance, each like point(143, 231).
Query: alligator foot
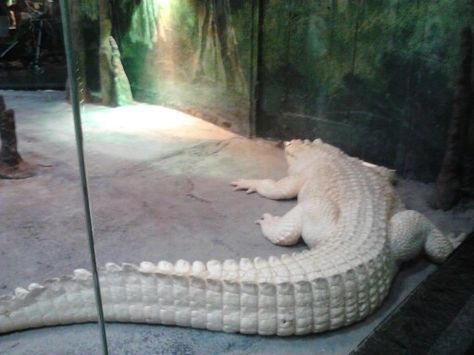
point(410, 232)
point(245, 184)
point(284, 230)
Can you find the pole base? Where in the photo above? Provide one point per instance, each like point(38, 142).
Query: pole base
point(21, 170)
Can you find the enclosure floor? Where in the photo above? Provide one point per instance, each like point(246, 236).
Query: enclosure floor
point(159, 183)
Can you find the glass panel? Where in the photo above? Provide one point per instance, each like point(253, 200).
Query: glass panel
point(160, 176)
point(43, 240)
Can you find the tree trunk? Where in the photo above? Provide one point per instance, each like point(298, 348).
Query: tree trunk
point(233, 53)
point(12, 165)
point(203, 35)
point(115, 87)
point(230, 60)
point(448, 184)
point(216, 20)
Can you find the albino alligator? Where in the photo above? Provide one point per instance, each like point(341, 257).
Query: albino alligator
point(355, 227)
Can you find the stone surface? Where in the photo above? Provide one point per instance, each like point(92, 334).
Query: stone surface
point(116, 90)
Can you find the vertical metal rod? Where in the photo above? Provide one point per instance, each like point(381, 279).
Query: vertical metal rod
point(252, 72)
point(70, 57)
point(256, 35)
point(259, 63)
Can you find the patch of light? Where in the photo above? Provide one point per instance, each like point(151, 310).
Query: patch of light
point(133, 118)
point(146, 119)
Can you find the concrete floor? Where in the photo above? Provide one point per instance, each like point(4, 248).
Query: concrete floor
point(159, 183)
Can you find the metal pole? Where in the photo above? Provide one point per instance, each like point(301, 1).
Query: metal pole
point(256, 37)
point(258, 89)
point(71, 60)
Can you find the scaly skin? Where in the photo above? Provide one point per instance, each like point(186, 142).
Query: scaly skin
point(355, 227)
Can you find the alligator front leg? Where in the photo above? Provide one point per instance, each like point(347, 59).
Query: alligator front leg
point(286, 188)
point(284, 230)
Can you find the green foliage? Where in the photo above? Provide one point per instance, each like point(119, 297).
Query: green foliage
point(242, 24)
point(331, 38)
point(89, 9)
point(384, 66)
point(144, 23)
